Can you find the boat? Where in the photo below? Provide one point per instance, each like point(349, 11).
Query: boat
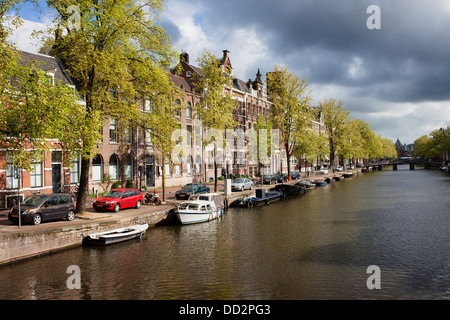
point(116, 235)
point(320, 182)
point(200, 208)
point(348, 174)
point(289, 189)
point(307, 184)
point(338, 178)
point(263, 197)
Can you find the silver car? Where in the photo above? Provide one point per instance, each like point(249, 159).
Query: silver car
point(241, 184)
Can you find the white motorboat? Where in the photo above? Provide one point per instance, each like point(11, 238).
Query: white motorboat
point(200, 208)
point(116, 235)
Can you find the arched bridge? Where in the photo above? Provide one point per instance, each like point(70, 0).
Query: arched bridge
point(427, 164)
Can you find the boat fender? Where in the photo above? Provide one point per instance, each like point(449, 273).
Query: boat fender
point(250, 204)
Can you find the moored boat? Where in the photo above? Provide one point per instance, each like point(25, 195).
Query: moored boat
point(289, 189)
point(320, 182)
point(338, 178)
point(348, 174)
point(116, 235)
point(308, 185)
point(263, 197)
point(200, 208)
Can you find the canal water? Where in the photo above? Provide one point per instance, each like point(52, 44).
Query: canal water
point(317, 246)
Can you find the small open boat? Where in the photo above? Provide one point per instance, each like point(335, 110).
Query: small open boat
point(348, 174)
point(338, 178)
point(289, 189)
point(114, 236)
point(308, 185)
point(320, 182)
point(263, 197)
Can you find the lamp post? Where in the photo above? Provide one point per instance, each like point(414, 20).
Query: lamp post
point(17, 176)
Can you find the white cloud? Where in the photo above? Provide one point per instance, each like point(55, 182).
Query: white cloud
point(23, 37)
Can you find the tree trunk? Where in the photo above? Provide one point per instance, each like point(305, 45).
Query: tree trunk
point(288, 159)
point(83, 187)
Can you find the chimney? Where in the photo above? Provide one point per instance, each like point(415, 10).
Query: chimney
point(225, 54)
point(184, 57)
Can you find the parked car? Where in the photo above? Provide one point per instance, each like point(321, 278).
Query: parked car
point(281, 177)
point(339, 169)
point(43, 207)
point(191, 188)
point(323, 170)
point(269, 179)
point(295, 175)
point(118, 199)
point(241, 184)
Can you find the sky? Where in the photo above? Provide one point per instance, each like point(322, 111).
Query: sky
point(390, 67)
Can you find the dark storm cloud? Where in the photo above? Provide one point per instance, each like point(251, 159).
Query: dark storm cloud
point(407, 60)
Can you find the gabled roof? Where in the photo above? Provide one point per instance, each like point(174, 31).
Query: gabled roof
point(47, 64)
point(181, 82)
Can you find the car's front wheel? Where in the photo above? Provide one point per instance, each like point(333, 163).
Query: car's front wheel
point(116, 207)
point(37, 219)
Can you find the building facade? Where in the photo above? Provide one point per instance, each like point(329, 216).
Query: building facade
point(126, 156)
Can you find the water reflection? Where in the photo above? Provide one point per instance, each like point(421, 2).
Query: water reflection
point(317, 246)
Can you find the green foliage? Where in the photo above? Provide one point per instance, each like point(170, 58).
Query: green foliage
point(116, 56)
point(291, 111)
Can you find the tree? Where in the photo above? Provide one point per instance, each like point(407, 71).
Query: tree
point(335, 118)
point(389, 150)
point(116, 54)
point(351, 142)
point(216, 106)
point(33, 109)
point(291, 110)
point(162, 123)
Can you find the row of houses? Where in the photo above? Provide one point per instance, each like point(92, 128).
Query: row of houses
point(128, 157)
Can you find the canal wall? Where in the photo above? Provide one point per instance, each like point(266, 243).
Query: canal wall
point(32, 241)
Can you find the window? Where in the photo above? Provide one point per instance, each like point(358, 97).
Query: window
point(147, 105)
point(75, 171)
point(36, 175)
point(113, 131)
point(50, 78)
point(129, 168)
point(12, 174)
point(148, 136)
point(63, 199)
point(128, 135)
point(113, 165)
point(189, 135)
point(97, 168)
point(189, 111)
point(189, 165)
point(167, 169)
point(178, 105)
point(177, 169)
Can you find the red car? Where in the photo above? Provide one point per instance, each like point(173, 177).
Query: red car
point(117, 199)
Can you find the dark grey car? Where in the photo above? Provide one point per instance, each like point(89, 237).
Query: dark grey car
point(44, 207)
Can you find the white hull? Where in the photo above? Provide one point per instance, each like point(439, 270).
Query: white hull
point(117, 235)
point(187, 217)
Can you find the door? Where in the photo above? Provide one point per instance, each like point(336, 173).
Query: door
point(56, 177)
point(49, 209)
point(149, 172)
point(126, 200)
